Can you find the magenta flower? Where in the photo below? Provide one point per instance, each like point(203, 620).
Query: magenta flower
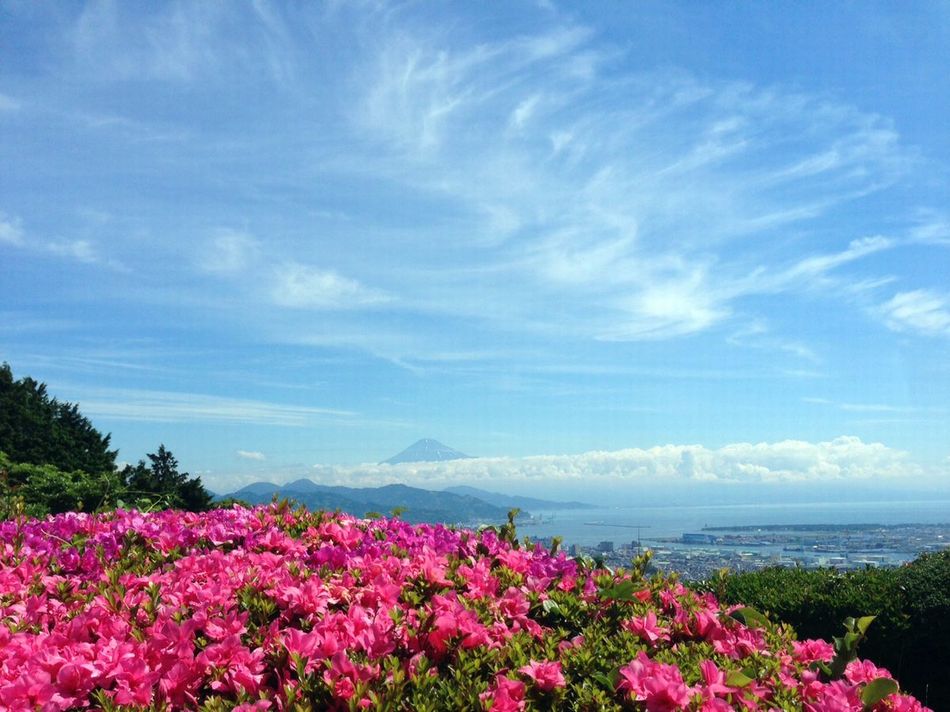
point(659, 685)
point(268, 607)
point(547, 676)
point(647, 628)
point(506, 695)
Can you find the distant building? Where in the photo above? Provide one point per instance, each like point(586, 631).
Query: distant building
point(605, 547)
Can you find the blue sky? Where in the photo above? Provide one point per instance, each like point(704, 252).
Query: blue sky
point(686, 240)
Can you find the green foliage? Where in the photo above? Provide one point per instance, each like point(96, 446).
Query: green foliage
point(160, 480)
point(39, 430)
point(846, 646)
point(910, 605)
point(53, 460)
point(44, 489)
point(229, 502)
point(877, 690)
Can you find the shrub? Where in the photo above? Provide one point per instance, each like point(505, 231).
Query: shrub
point(910, 635)
point(274, 608)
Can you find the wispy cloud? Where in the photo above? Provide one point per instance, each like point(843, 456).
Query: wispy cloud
point(11, 231)
point(251, 455)
point(167, 406)
point(306, 287)
point(78, 250)
point(8, 103)
point(170, 44)
point(757, 334)
point(229, 252)
point(858, 407)
point(561, 194)
point(922, 311)
point(629, 211)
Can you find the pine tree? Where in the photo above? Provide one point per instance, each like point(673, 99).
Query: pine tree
point(161, 478)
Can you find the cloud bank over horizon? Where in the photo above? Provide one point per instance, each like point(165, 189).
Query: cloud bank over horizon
point(843, 459)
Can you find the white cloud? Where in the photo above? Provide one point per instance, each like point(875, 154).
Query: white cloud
point(757, 335)
point(170, 44)
point(79, 250)
point(11, 231)
point(639, 221)
point(306, 287)
point(251, 455)
point(8, 103)
point(174, 407)
point(922, 310)
point(229, 252)
point(522, 112)
point(845, 458)
point(527, 182)
point(821, 264)
point(858, 407)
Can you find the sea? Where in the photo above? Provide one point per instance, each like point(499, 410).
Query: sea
point(588, 527)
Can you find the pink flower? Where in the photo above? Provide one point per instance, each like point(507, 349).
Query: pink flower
point(258, 706)
point(905, 703)
point(714, 679)
point(659, 685)
point(809, 651)
point(506, 695)
point(859, 671)
point(546, 675)
point(646, 627)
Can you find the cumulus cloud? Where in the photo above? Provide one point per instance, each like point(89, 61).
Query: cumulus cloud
point(922, 310)
point(846, 458)
point(251, 455)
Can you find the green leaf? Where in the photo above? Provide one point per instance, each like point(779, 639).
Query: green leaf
point(607, 680)
point(751, 618)
point(623, 591)
point(550, 606)
point(864, 622)
point(738, 679)
point(877, 690)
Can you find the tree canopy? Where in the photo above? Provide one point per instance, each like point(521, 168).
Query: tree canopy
point(40, 430)
point(161, 478)
point(53, 460)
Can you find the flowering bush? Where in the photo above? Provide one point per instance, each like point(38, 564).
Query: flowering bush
point(277, 609)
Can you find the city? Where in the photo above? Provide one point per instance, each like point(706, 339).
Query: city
point(699, 555)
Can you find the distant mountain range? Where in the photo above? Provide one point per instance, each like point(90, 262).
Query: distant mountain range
point(454, 505)
point(420, 505)
point(426, 450)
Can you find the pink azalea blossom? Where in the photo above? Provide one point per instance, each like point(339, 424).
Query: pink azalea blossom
point(506, 695)
point(547, 676)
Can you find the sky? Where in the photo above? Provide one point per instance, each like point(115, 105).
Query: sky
point(612, 242)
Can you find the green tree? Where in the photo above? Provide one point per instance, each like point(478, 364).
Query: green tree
point(39, 430)
point(160, 479)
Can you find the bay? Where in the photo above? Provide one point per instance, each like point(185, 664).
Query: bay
point(587, 527)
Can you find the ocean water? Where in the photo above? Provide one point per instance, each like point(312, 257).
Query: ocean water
point(587, 527)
